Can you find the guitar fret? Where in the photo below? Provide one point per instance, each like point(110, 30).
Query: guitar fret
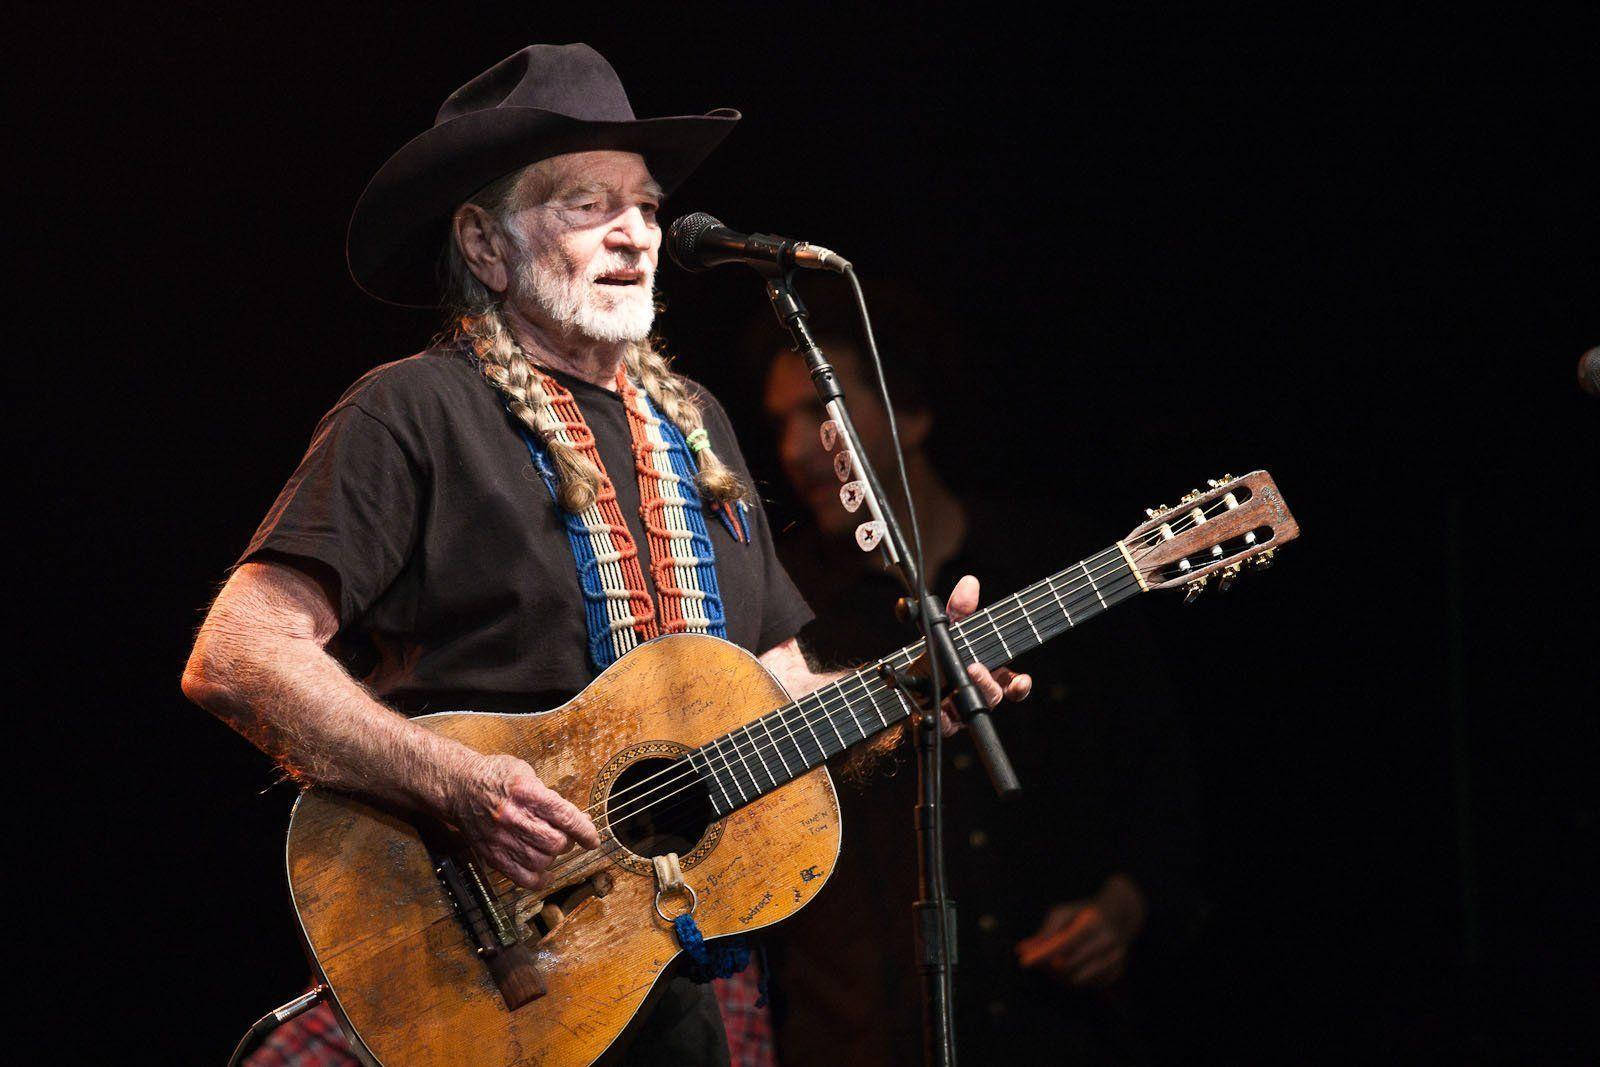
point(783, 720)
point(829, 716)
point(755, 746)
point(743, 765)
point(993, 626)
point(1029, 620)
point(850, 706)
point(872, 699)
point(728, 764)
point(775, 746)
point(744, 762)
point(905, 705)
point(1051, 582)
point(783, 715)
point(741, 768)
point(1096, 588)
point(805, 717)
point(712, 775)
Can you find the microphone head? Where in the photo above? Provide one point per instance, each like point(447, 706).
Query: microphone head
point(683, 239)
point(1589, 372)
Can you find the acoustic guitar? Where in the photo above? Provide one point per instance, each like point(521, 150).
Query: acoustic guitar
point(685, 746)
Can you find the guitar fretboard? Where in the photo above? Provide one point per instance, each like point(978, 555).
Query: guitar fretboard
point(755, 759)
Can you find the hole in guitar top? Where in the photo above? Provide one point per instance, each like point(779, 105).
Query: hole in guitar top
point(658, 806)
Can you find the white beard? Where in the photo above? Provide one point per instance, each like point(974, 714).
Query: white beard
point(577, 303)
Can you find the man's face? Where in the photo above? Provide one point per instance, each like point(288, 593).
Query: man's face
point(797, 416)
point(586, 250)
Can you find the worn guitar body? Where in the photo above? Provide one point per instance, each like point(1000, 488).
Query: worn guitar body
point(409, 981)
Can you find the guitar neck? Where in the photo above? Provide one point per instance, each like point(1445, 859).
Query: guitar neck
point(755, 759)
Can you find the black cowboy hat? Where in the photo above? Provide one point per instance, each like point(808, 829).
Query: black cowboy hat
point(543, 101)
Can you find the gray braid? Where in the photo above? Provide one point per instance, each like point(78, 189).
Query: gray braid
point(476, 318)
point(648, 366)
point(509, 370)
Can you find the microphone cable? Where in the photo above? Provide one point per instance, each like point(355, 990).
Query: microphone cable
point(936, 861)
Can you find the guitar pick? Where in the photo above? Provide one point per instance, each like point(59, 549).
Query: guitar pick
point(843, 464)
point(830, 434)
point(868, 534)
point(851, 494)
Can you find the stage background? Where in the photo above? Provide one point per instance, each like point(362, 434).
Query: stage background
point(1359, 253)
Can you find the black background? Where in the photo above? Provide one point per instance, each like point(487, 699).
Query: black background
point(1359, 253)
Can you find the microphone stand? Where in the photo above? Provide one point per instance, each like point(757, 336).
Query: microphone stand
point(935, 939)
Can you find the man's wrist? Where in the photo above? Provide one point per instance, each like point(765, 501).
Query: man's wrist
point(439, 774)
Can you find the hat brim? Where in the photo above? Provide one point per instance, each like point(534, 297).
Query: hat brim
point(399, 226)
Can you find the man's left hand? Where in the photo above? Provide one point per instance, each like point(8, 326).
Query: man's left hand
point(1086, 942)
point(993, 686)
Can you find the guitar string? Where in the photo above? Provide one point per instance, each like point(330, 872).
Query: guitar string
point(692, 777)
point(1152, 537)
point(868, 685)
point(682, 797)
point(1015, 605)
point(824, 710)
point(815, 706)
point(818, 700)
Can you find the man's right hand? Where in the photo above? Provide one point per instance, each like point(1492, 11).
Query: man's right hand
point(515, 822)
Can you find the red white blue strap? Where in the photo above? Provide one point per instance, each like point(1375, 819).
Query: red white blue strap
point(618, 612)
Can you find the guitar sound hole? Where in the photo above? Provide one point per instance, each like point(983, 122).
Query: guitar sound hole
point(658, 806)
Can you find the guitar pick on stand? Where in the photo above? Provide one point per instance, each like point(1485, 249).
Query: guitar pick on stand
point(855, 491)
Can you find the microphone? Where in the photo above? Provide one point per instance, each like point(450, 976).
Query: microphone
point(698, 242)
point(1589, 371)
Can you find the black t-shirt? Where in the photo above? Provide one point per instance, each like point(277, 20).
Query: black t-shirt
point(457, 584)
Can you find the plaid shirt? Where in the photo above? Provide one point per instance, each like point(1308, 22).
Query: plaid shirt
point(314, 1039)
point(309, 1040)
point(749, 1027)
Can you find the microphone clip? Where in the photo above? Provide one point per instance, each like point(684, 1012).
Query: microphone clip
point(917, 686)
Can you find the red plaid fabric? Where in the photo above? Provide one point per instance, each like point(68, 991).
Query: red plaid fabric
point(749, 1027)
point(314, 1039)
point(309, 1040)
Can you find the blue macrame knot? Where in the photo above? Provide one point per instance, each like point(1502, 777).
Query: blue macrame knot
point(722, 960)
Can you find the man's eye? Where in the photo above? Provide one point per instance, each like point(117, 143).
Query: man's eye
point(649, 209)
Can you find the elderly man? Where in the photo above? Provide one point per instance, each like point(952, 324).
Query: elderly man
point(467, 529)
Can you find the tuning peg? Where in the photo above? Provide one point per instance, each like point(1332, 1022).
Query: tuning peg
point(1195, 588)
point(1219, 481)
point(843, 464)
point(1227, 576)
point(1264, 560)
point(1159, 509)
point(1191, 496)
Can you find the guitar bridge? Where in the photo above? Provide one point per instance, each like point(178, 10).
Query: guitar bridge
point(543, 915)
point(511, 961)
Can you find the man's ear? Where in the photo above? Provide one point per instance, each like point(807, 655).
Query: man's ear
point(483, 246)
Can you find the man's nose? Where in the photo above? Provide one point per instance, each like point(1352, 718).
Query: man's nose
point(631, 230)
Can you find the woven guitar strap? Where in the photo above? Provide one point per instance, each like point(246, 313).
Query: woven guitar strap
point(618, 611)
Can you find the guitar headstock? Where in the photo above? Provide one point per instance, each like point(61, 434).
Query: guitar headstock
point(1234, 522)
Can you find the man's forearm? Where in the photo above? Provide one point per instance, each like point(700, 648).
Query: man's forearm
point(278, 687)
point(300, 707)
